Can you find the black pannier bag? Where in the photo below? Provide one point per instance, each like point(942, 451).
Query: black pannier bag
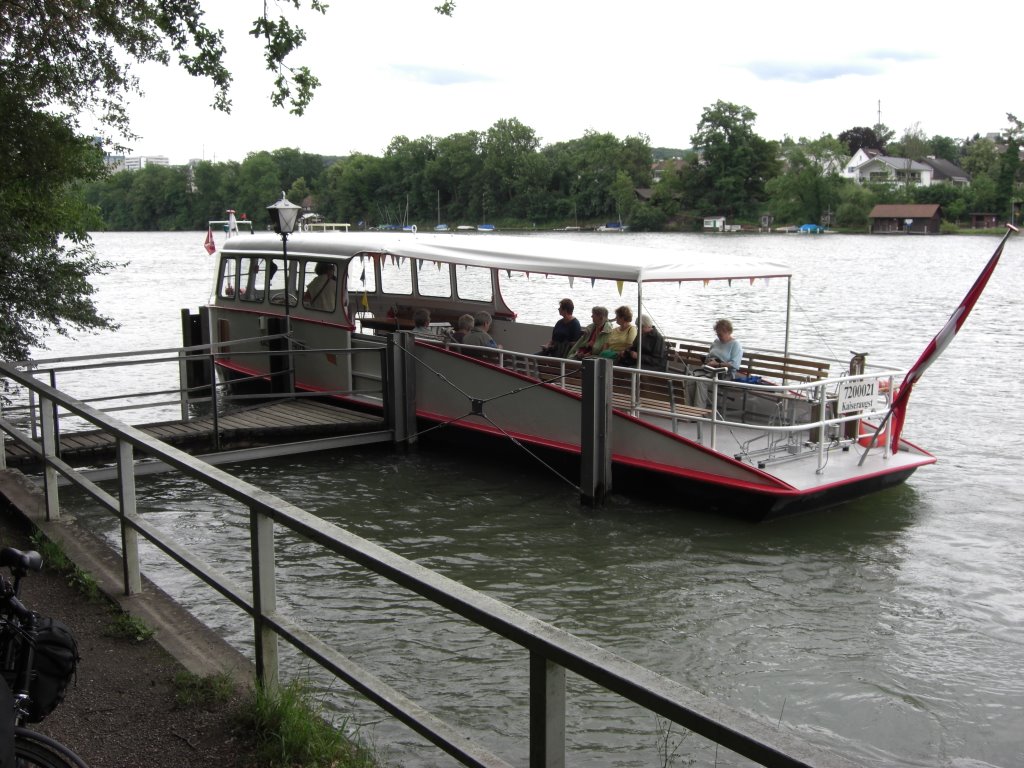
point(55, 662)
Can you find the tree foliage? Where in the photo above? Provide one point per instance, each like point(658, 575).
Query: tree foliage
point(504, 175)
point(860, 137)
point(45, 259)
point(735, 163)
point(499, 174)
point(59, 61)
point(808, 187)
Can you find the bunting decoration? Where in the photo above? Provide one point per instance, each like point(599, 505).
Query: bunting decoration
point(618, 284)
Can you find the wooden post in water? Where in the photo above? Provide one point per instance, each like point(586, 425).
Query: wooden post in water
point(280, 357)
point(595, 431)
point(400, 387)
point(195, 330)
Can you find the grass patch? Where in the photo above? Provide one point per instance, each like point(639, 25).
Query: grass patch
point(53, 556)
point(290, 728)
point(207, 692)
point(128, 627)
point(55, 560)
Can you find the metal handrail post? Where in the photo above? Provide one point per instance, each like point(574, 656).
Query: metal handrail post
point(32, 403)
point(714, 409)
point(264, 597)
point(128, 510)
point(56, 415)
point(183, 392)
point(50, 439)
point(547, 712)
point(823, 417)
point(214, 406)
point(3, 440)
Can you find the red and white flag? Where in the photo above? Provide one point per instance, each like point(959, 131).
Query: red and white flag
point(210, 246)
point(940, 342)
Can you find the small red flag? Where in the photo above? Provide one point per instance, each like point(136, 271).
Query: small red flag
point(210, 246)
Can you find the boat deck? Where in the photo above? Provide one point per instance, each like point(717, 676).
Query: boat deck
point(796, 460)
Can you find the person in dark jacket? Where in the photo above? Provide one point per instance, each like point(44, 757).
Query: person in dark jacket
point(651, 343)
point(565, 333)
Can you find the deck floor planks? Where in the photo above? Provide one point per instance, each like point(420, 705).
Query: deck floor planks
point(266, 424)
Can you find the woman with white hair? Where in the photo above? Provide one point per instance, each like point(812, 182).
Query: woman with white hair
point(725, 356)
point(725, 352)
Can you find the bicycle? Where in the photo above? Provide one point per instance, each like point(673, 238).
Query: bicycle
point(19, 639)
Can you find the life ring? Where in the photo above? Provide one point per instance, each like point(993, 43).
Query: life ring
point(867, 431)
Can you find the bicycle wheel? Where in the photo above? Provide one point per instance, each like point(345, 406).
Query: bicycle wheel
point(34, 750)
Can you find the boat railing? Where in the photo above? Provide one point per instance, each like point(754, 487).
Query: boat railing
point(550, 653)
point(199, 391)
point(794, 420)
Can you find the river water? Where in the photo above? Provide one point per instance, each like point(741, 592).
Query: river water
point(889, 630)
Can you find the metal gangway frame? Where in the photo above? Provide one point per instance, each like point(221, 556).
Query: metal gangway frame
point(552, 652)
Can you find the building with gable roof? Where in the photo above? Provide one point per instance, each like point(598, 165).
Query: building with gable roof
point(882, 169)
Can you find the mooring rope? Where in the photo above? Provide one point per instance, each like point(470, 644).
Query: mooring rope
point(476, 409)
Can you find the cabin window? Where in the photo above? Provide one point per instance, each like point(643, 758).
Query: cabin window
point(474, 283)
point(321, 281)
point(228, 283)
point(277, 283)
point(252, 279)
point(396, 275)
point(361, 278)
point(433, 278)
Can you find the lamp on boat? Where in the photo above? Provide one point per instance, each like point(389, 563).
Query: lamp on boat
point(284, 214)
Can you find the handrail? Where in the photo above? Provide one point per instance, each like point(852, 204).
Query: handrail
point(184, 396)
point(552, 651)
point(813, 392)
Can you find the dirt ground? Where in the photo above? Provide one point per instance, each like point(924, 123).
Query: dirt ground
point(121, 712)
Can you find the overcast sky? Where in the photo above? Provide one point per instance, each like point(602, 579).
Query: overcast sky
point(562, 67)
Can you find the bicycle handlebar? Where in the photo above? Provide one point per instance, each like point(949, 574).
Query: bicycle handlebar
point(20, 562)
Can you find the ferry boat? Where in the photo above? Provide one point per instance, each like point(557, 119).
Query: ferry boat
point(791, 433)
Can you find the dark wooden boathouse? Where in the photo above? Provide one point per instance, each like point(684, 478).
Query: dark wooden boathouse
point(907, 219)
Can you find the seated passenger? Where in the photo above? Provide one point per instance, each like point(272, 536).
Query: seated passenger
point(421, 322)
point(651, 343)
point(319, 293)
point(565, 333)
point(622, 336)
point(480, 335)
point(464, 325)
point(595, 336)
point(725, 356)
point(725, 352)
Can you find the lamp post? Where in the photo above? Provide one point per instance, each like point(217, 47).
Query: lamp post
point(283, 217)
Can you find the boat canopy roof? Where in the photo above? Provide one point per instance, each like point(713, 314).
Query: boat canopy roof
point(533, 254)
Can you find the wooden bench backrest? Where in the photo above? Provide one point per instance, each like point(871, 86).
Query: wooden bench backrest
point(776, 367)
point(781, 368)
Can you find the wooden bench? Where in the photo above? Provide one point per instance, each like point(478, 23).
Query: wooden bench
point(655, 393)
point(684, 356)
